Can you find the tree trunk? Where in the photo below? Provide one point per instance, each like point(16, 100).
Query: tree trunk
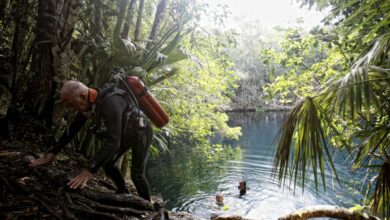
point(19, 34)
point(319, 211)
point(41, 102)
point(97, 21)
point(157, 20)
point(119, 21)
point(3, 8)
point(62, 51)
point(137, 33)
point(129, 19)
point(5, 102)
point(55, 24)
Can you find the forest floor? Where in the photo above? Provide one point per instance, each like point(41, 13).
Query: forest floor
point(42, 193)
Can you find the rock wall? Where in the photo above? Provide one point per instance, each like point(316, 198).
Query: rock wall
point(248, 95)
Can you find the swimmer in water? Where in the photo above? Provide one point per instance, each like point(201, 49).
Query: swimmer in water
point(242, 187)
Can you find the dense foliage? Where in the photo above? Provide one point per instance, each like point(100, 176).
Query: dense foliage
point(343, 80)
point(161, 42)
point(338, 75)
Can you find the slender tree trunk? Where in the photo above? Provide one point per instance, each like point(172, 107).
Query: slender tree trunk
point(62, 51)
point(42, 63)
point(8, 75)
point(97, 21)
point(129, 19)
point(20, 12)
point(157, 20)
point(137, 33)
point(119, 21)
point(5, 102)
point(3, 8)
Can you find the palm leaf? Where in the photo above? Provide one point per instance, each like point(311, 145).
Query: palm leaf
point(375, 142)
point(161, 77)
point(374, 56)
point(177, 54)
point(354, 94)
point(162, 140)
point(381, 197)
point(127, 53)
point(309, 149)
point(355, 91)
point(150, 55)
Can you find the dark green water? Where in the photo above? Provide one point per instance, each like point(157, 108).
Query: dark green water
point(188, 181)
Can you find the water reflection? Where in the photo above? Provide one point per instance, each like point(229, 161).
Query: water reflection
point(189, 181)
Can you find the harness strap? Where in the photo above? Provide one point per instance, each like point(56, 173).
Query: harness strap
point(110, 90)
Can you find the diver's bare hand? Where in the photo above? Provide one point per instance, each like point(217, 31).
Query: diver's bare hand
point(80, 180)
point(45, 159)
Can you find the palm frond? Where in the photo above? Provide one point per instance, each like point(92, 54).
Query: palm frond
point(302, 145)
point(127, 53)
point(376, 54)
point(381, 196)
point(164, 74)
point(150, 55)
point(162, 138)
point(355, 94)
point(375, 142)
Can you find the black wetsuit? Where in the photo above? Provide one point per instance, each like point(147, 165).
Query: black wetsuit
point(118, 123)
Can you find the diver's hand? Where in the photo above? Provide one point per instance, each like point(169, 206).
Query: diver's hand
point(80, 180)
point(45, 159)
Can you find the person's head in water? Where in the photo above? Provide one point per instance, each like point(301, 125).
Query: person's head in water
point(219, 199)
point(242, 187)
point(242, 184)
point(75, 95)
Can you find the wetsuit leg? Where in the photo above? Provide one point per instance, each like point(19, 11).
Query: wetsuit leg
point(115, 173)
point(140, 150)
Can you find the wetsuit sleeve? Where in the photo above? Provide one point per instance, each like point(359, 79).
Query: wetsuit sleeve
point(111, 111)
point(69, 133)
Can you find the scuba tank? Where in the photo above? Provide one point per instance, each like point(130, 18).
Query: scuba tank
point(146, 102)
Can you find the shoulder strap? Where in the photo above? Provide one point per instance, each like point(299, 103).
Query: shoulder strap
point(109, 90)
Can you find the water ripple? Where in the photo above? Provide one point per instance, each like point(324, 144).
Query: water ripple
point(189, 183)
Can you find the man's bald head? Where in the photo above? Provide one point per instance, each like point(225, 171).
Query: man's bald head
point(75, 95)
point(73, 88)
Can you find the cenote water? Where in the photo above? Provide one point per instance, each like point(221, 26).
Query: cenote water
point(188, 181)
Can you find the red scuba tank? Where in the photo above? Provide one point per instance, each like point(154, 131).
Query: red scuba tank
point(148, 104)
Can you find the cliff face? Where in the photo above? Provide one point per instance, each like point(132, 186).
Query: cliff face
point(248, 95)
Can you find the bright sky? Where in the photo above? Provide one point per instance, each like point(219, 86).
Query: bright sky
point(270, 13)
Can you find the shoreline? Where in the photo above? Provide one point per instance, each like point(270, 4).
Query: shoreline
point(261, 109)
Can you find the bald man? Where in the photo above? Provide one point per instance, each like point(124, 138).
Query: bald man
point(119, 123)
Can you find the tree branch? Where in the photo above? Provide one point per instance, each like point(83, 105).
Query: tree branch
point(318, 211)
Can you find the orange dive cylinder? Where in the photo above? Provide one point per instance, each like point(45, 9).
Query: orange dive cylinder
point(148, 104)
